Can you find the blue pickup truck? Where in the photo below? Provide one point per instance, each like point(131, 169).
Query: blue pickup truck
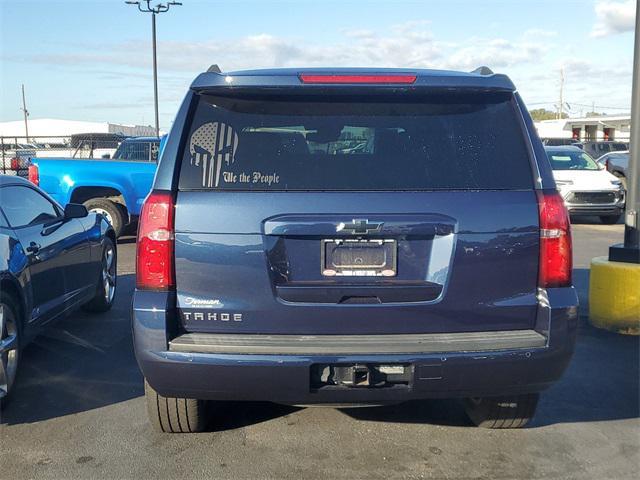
point(114, 187)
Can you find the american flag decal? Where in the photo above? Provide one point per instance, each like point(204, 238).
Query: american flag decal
point(212, 144)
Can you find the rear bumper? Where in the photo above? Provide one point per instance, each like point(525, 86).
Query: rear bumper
point(203, 367)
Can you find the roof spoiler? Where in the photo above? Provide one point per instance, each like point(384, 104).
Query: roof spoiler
point(216, 69)
point(483, 71)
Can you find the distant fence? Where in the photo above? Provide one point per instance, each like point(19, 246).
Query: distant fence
point(16, 151)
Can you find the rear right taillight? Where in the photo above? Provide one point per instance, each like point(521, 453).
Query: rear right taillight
point(34, 174)
point(15, 163)
point(555, 241)
point(154, 258)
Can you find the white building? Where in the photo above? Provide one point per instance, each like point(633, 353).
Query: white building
point(45, 127)
point(607, 127)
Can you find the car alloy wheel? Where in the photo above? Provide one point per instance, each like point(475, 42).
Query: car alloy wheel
point(109, 273)
point(8, 349)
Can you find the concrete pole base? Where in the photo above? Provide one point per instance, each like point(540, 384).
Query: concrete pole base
point(614, 296)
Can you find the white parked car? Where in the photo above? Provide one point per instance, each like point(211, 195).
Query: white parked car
point(586, 186)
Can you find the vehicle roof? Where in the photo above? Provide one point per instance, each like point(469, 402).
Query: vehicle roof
point(563, 148)
point(616, 152)
point(13, 180)
point(289, 77)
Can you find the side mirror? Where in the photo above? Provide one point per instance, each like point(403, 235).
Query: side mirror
point(75, 210)
point(106, 156)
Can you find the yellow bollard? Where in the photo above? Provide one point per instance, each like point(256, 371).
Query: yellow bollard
point(614, 296)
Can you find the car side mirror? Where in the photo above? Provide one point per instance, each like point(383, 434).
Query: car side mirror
point(106, 156)
point(75, 210)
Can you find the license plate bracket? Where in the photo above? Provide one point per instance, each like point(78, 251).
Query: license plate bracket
point(359, 257)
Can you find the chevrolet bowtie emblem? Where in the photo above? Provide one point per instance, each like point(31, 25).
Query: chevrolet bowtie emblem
point(359, 227)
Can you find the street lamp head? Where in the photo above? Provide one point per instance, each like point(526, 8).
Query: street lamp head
point(145, 6)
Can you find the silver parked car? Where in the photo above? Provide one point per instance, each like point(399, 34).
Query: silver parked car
point(617, 163)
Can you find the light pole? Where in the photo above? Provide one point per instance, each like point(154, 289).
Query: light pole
point(614, 282)
point(629, 251)
point(159, 8)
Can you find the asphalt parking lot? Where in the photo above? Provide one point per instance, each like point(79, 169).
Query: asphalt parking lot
point(79, 412)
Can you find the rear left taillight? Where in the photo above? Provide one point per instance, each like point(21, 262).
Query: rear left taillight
point(154, 258)
point(555, 241)
point(34, 174)
point(15, 163)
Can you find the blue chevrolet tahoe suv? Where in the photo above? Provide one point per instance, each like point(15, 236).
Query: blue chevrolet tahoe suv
point(352, 236)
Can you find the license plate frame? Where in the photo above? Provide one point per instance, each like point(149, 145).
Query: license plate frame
point(342, 257)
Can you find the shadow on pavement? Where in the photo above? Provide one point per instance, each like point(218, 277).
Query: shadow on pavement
point(601, 383)
point(581, 282)
point(82, 362)
point(429, 412)
point(230, 415)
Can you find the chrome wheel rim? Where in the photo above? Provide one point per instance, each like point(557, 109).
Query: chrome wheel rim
point(109, 273)
point(104, 213)
point(8, 350)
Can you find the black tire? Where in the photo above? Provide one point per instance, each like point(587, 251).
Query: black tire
point(107, 279)
point(610, 219)
point(512, 411)
point(9, 360)
point(111, 211)
point(175, 415)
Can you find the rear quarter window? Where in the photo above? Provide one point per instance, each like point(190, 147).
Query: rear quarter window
point(375, 143)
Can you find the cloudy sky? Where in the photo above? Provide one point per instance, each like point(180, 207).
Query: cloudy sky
point(91, 60)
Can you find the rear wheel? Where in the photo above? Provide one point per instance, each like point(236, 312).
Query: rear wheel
point(511, 411)
point(110, 210)
point(9, 346)
point(106, 288)
point(175, 415)
point(610, 219)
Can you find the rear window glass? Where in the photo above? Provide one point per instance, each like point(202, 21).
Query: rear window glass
point(374, 143)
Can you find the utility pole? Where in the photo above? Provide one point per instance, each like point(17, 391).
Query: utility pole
point(26, 114)
point(561, 96)
point(159, 8)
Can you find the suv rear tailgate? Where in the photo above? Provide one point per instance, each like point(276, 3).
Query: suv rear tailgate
point(380, 215)
point(226, 264)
